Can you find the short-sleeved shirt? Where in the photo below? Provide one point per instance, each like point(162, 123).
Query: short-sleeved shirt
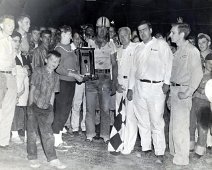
point(102, 55)
point(45, 85)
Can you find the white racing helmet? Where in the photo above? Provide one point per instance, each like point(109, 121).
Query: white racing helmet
point(208, 90)
point(103, 22)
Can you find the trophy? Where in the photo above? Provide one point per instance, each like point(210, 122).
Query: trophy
point(86, 61)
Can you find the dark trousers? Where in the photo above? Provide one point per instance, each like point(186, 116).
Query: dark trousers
point(19, 118)
point(63, 103)
point(41, 119)
point(200, 118)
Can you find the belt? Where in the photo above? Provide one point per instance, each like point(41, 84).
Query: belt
point(176, 84)
point(104, 71)
point(150, 81)
point(125, 77)
point(7, 72)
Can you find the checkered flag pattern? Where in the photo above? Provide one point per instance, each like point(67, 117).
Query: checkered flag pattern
point(118, 130)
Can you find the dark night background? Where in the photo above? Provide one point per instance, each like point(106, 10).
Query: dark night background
point(161, 13)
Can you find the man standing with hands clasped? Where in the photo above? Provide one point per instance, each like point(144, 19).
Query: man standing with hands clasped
point(148, 85)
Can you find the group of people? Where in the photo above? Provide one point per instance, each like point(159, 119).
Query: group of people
point(42, 89)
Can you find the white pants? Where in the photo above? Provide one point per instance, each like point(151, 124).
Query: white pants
point(149, 101)
point(131, 128)
point(179, 135)
point(79, 97)
point(7, 110)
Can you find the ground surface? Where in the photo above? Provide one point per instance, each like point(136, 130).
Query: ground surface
point(94, 156)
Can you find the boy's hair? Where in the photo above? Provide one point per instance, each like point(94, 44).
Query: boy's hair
point(65, 29)
point(183, 27)
point(55, 53)
point(16, 34)
point(34, 28)
point(45, 32)
point(2, 18)
point(21, 17)
point(145, 22)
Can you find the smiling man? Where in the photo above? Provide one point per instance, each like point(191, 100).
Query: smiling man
point(128, 132)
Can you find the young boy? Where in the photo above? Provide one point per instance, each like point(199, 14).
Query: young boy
point(44, 84)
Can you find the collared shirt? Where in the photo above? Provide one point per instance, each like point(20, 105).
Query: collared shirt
point(7, 55)
point(125, 61)
point(25, 43)
point(187, 67)
point(38, 57)
point(102, 55)
point(152, 61)
point(45, 85)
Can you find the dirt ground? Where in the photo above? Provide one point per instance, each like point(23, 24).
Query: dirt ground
point(94, 156)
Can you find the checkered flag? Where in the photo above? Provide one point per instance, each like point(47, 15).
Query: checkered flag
point(118, 130)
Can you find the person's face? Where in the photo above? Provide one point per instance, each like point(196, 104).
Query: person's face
point(76, 39)
point(90, 32)
point(208, 65)
point(25, 24)
point(145, 32)
point(174, 34)
point(36, 35)
point(124, 37)
point(112, 32)
point(52, 62)
point(192, 41)
point(8, 26)
point(102, 32)
point(67, 36)
point(203, 44)
point(46, 39)
point(16, 42)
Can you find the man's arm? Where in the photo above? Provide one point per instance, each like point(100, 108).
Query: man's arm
point(114, 72)
point(195, 72)
point(168, 59)
point(31, 94)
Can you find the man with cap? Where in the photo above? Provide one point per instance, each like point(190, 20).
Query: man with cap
point(200, 104)
point(104, 60)
point(185, 78)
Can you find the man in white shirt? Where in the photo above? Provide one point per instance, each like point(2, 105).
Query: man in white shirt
point(150, 79)
point(128, 132)
point(7, 70)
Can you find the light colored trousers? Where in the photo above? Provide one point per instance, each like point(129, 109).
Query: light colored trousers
point(179, 135)
point(8, 109)
point(79, 98)
point(131, 128)
point(149, 101)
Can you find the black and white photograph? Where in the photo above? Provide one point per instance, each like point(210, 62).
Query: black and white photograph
point(106, 84)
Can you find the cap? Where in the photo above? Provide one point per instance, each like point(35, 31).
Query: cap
point(204, 35)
